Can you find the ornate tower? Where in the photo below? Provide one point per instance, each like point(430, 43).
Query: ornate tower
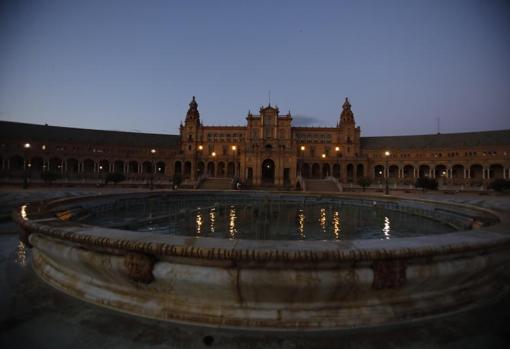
point(348, 133)
point(189, 131)
point(347, 117)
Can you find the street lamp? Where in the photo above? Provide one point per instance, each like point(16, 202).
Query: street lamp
point(26, 164)
point(302, 153)
point(337, 150)
point(199, 156)
point(234, 152)
point(386, 173)
point(153, 168)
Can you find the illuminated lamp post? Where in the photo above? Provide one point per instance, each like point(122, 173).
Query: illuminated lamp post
point(153, 167)
point(386, 173)
point(199, 158)
point(323, 156)
point(337, 150)
point(301, 159)
point(234, 153)
point(213, 154)
point(26, 165)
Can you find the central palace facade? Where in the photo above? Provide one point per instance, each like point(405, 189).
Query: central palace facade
point(267, 151)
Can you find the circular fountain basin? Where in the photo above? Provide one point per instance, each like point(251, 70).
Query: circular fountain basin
point(152, 254)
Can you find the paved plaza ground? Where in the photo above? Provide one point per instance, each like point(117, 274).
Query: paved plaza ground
point(33, 314)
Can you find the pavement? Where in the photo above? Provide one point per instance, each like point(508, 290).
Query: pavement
point(33, 314)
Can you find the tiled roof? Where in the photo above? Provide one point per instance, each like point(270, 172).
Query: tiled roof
point(457, 140)
point(44, 133)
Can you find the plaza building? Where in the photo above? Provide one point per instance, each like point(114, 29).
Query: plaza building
point(267, 151)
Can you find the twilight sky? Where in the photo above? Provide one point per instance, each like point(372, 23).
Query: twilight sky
point(134, 65)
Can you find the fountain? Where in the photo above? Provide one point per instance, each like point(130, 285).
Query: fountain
point(228, 259)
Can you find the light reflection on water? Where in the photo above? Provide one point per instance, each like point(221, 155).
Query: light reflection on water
point(336, 225)
point(301, 224)
point(323, 220)
point(212, 219)
point(232, 222)
point(386, 228)
point(21, 254)
point(199, 222)
point(282, 221)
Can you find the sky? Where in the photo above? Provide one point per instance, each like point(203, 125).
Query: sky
point(134, 65)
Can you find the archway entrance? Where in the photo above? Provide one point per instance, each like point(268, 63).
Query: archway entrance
point(268, 171)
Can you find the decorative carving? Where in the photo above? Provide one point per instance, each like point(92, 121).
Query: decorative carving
point(389, 273)
point(139, 267)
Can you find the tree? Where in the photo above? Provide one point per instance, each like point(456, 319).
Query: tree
point(49, 176)
point(426, 183)
point(364, 182)
point(500, 185)
point(114, 177)
point(176, 180)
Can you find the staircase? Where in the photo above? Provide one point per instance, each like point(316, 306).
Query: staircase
point(216, 183)
point(323, 185)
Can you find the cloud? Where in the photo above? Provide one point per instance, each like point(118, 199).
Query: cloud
point(305, 120)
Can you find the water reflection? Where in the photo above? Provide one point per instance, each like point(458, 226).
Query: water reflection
point(336, 225)
point(322, 220)
point(23, 212)
point(301, 223)
point(21, 254)
point(212, 218)
point(263, 220)
point(387, 228)
point(232, 222)
point(199, 222)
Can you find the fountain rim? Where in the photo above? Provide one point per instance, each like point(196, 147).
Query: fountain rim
point(493, 236)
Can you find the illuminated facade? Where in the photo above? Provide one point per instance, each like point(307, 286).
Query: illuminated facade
point(267, 151)
point(270, 151)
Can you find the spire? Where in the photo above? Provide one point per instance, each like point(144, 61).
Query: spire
point(193, 113)
point(346, 105)
point(347, 116)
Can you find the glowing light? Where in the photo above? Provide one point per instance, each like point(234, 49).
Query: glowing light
point(26, 145)
point(23, 212)
point(322, 220)
point(213, 153)
point(301, 224)
point(303, 148)
point(380, 172)
point(153, 151)
point(386, 153)
point(200, 147)
point(43, 147)
point(336, 225)
point(21, 254)
point(212, 218)
point(232, 222)
point(337, 148)
point(199, 222)
point(323, 156)
point(387, 228)
point(234, 148)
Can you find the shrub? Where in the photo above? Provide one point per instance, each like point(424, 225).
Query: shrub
point(50, 176)
point(176, 180)
point(500, 185)
point(426, 183)
point(364, 182)
point(114, 177)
